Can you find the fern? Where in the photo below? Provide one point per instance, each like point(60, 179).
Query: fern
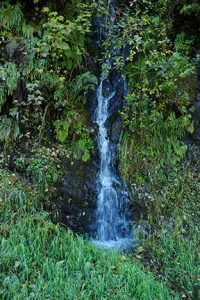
point(11, 16)
point(85, 82)
point(62, 129)
point(12, 76)
point(3, 97)
point(9, 130)
point(9, 76)
point(191, 8)
point(72, 133)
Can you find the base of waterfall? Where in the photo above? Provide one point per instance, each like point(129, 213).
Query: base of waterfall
point(121, 244)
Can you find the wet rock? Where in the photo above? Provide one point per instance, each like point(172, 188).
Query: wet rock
point(196, 114)
point(196, 119)
point(12, 48)
point(115, 131)
point(78, 195)
point(15, 51)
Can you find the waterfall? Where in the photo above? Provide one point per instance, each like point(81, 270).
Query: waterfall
point(113, 226)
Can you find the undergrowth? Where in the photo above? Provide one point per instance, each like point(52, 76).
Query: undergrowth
point(40, 260)
point(44, 74)
point(172, 229)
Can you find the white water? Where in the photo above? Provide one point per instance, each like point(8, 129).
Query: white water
point(113, 226)
point(113, 230)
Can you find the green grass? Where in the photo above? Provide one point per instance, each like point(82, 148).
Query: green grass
point(173, 242)
point(40, 260)
point(178, 256)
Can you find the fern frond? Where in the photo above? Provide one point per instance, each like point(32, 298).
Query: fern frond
point(11, 16)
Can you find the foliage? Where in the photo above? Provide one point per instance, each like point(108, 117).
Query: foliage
point(85, 82)
point(73, 134)
point(178, 254)
point(155, 150)
point(173, 227)
point(42, 169)
point(9, 130)
point(190, 8)
point(43, 260)
point(156, 59)
point(40, 270)
point(63, 40)
point(16, 198)
point(9, 77)
point(45, 72)
point(161, 79)
point(11, 17)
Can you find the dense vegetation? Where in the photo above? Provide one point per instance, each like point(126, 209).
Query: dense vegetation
point(49, 67)
point(44, 76)
point(161, 70)
point(40, 260)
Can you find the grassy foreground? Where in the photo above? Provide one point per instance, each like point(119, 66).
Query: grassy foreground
point(40, 260)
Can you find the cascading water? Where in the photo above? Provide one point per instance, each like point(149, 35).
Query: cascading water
point(113, 227)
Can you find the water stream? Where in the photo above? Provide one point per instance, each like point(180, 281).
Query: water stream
point(114, 228)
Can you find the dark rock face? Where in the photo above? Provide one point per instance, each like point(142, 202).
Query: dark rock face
point(196, 115)
point(196, 119)
point(78, 195)
point(12, 48)
point(115, 131)
point(115, 83)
